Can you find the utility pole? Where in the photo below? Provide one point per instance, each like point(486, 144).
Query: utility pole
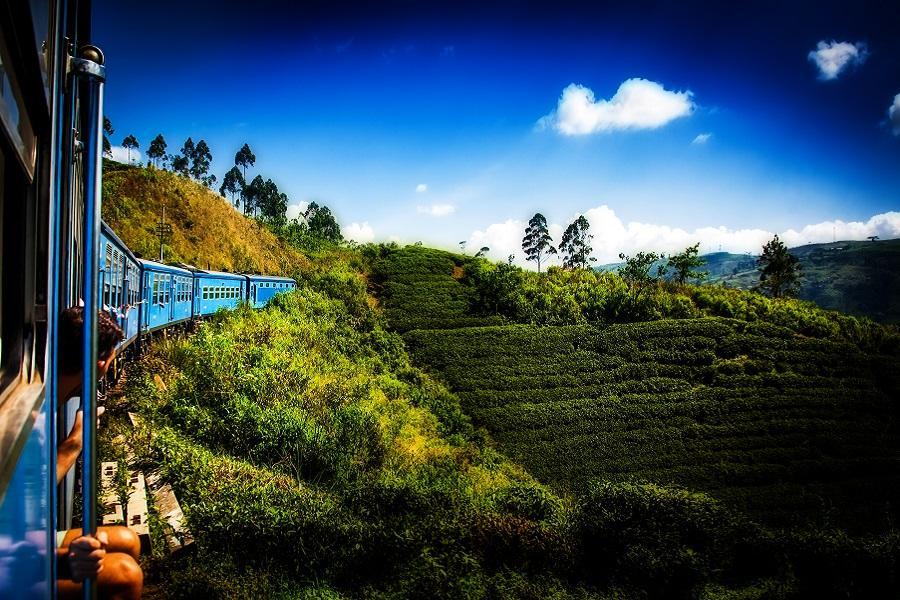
point(164, 231)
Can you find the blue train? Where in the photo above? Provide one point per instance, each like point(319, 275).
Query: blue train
point(145, 296)
point(56, 253)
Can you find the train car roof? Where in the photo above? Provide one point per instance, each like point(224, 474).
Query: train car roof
point(217, 274)
point(155, 266)
point(108, 232)
point(270, 278)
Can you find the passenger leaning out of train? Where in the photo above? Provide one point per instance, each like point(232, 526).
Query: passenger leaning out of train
point(111, 556)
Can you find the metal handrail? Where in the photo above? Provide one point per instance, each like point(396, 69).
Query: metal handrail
point(88, 70)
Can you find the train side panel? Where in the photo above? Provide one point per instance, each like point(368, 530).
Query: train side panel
point(120, 279)
point(166, 295)
point(263, 288)
point(214, 290)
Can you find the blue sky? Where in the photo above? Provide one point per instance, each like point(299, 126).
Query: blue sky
point(357, 107)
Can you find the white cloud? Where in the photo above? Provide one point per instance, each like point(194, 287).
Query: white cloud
point(894, 115)
point(421, 188)
point(885, 225)
point(832, 58)
point(612, 236)
point(502, 238)
point(701, 138)
point(295, 210)
point(120, 154)
point(637, 104)
point(359, 232)
point(436, 210)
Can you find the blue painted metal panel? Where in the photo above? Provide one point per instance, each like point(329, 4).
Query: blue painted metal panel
point(263, 288)
point(119, 284)
point(26, 531)
point(167, 296)
point(215, 290)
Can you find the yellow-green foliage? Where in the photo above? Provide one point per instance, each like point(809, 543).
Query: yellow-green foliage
point(206, 230)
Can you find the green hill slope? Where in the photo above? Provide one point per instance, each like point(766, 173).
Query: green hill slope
point(206, 231)
point(770, 419)
point(787, 429)
point(858, 278)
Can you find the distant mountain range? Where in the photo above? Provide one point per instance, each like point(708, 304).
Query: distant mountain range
point(859, 278)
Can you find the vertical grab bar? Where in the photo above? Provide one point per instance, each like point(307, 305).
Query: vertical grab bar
point(88, 70)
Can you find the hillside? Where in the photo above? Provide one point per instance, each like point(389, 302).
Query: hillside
point(315, 458)
point(771, 420)
point(206, 231)
point(857, 278)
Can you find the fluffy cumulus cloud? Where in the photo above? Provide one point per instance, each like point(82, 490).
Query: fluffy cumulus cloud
point(295, 210)
point(612, 236)
point(894, 115)
point(120, 154)
point(421, 188)
point(833, 58)
point(637, 104)
point(701, 138)
point(436, 210)
point(358, 232)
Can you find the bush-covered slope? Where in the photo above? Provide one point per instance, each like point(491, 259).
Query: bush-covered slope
point(206, 231)
point(780, 409)
point(859, 278)
point(786, 428)
point(420, 287)
point(313, 461)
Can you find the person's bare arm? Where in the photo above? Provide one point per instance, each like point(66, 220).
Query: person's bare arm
point(69, 450)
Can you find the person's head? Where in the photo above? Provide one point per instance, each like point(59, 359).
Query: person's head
point(71, 324)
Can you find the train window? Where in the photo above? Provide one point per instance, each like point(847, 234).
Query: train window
point(13, 114)
point(205, 293)
point(168, 287)
point(155, 287)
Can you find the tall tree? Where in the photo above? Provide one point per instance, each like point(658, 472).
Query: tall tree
point(244, 158)
point(637, 269)
point(209, 181)
point(232, 184)
point(575, 244)
point(180, 164)
point(252, 194)
point(107, 132)
point(685, 262)
point(187, 153)
point(200, 159)
point(130, 143)
point(157, 150)
point(537, 242)
point(779, 270)
point(322, 223)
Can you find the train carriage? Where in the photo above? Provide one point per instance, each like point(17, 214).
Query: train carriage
point(214, 290)
point(262, 288)
point(167, 295)
point(54, 253)
point(120, 284)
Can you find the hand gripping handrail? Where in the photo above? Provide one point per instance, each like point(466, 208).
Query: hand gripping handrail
point(88, 70)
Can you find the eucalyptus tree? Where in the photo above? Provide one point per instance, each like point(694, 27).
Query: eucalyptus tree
point(200, 159)
point(575, 244)
point(157, 150)
point(130, 143)
point(232, 184)
point(537, 242)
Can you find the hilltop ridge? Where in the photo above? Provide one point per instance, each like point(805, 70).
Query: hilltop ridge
point(207, 231)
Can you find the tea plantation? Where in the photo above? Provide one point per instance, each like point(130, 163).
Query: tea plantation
point(786, 428)
point(791, 423)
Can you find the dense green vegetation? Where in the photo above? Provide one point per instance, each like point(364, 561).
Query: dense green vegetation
point(788, 429)
point(313, 459)
point(859, 278)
